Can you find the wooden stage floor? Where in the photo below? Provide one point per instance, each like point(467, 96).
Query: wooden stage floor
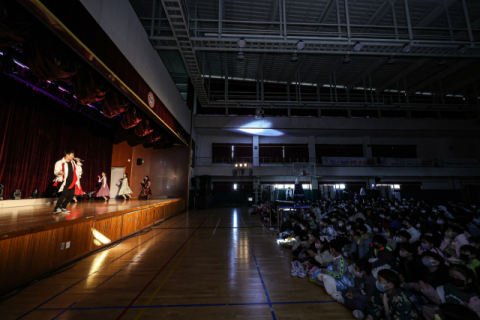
point(219, 263)
point(20, 218)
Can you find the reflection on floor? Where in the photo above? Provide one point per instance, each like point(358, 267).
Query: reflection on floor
point(209, 264)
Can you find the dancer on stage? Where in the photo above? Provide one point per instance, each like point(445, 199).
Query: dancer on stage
point(125, 189)
point(104, 190)
point(68, 174)
point(146, 184)
point(78, 188)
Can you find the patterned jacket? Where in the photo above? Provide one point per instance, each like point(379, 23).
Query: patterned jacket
point(400, 307)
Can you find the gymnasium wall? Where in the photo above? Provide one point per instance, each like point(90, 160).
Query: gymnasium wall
point(167, 168)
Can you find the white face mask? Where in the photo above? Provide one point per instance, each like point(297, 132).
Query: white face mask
point(403, 254)
point(340, 224)
point(397, 239)
point(418, 226)
point(349, 228)
point(358, 274)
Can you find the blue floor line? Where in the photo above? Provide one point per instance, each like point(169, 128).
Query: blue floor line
point(188, 305)
point(260, 275)
point(58, 315)
point(91, 274)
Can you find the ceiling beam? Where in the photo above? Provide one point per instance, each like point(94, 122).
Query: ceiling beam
point(439, 76)
point(380, 13)
point(414, 66)
point(299, 63)
point(273, 15)
point(325, 14)
point(460, 85)
point(370, 70)
point(325, 76)
point(435, 13)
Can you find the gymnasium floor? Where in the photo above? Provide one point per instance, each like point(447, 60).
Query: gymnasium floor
point(208, 264)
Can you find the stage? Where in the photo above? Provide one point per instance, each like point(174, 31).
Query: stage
point(15, 219)
point(34, 241)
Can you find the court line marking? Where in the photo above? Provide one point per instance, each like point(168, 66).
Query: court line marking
point(260, 275)
point(158, 273)
point(58, 315)
point(96, 271)
point(154, 294)
point(216, 226)
point(192, 305)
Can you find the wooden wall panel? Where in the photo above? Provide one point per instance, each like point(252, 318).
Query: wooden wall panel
point(128, 225)
point(106, 231)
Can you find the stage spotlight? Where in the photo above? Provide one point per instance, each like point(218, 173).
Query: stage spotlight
point(240, 165)
point(34, 194)
point(347, 58)
point(406, 48)
point(245, 165)
point(1, 191)
point(236, 165)
point(294, 58)
point(241, 43)
point(17, 194)
point(300, 44)
point(240, 56)
point(358, 46)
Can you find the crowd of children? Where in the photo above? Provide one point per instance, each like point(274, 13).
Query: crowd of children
point(385, 259)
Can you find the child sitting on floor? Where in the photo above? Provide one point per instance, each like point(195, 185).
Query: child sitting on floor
point(336, 277)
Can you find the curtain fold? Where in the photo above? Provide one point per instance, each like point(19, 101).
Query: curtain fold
point(131, 118)
point(143, 128)
point(89, 86)
point(48, 57)
point(36, 131)
point(114, 104)
point(15, 25)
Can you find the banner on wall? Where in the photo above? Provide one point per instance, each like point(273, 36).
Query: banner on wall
point(459, 163)
point(349, 162)
point(407, 162)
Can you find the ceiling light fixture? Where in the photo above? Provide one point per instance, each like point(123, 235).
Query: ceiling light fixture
point(294, 58)
point(462, 49)
point(300, 44)
point(240, 56)
point(442, 62)
point(241, 43)
point(358, 46)
point(392, 59)
point(347, 58)
point(406, 48)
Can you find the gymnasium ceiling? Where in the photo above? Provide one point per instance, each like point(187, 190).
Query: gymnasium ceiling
point(199, 39)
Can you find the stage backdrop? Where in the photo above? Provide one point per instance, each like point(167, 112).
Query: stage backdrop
point(35, 131)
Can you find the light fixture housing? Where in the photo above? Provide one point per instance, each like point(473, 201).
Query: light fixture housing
point(442, 62)
point(392, 59)
point(240, 56)
point(406, 48)
point(259, 114)
point(294, 58)
point(357, 46)
point(241, 43)
point(347, 58)
point(300, 45)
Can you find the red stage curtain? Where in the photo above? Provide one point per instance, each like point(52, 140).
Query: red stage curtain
point(114, 104)
point(48, 57)
point(131, 118)
point(35, 132)
point(143, 128)
point(89, 86)
point(15, 24)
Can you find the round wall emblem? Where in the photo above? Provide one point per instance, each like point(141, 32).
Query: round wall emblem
point(151, 100)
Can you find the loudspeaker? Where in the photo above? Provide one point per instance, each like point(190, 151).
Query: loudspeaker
point(139, 162)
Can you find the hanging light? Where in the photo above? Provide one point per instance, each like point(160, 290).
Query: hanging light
point(392, 59)
point(406, 48)
point(347, 58)
point(240, 56)
point(300, 44)
point(358, 46)
point(294, 58)
point(241, 43)
point(462, 49)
